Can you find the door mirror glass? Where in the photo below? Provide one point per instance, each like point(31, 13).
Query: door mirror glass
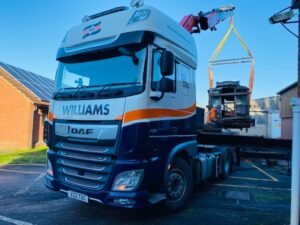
point(166, 85)
point(167, 63)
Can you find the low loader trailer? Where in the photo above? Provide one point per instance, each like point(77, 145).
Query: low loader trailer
point(122, 123)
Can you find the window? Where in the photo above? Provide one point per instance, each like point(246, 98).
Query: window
point(156, 73)
point(186, 80)
point(215, 101)
point(112, 68)
point(241, 100)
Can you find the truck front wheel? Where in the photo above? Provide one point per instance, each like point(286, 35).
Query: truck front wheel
point(179, 185)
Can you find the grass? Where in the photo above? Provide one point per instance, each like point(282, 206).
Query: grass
point(29, 156)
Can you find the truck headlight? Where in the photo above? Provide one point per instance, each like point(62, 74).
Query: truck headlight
point(139, 15)
point(128, 181)
point(49, 168)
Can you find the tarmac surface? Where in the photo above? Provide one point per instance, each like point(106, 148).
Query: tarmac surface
point(253, 195)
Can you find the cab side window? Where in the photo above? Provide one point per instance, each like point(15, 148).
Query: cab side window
point(156, 74)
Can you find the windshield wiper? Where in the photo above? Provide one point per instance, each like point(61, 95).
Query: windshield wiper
point(57, 93)
point(83, 93)
point(61, 94)
point(100, 93)
point(79, 94)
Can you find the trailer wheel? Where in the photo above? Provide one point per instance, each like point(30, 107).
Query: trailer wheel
point(226, 166)
point(179, 185)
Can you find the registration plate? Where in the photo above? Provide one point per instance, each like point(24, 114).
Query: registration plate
point(78, 196)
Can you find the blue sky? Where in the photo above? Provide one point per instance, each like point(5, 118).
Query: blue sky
point(31, 32)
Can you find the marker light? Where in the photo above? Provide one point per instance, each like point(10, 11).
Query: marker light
point(50, 117)
point(49, 168)
point(139, 15)
point(128, 181)
point(136, 3)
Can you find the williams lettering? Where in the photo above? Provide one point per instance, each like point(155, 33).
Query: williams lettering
point(91, 110)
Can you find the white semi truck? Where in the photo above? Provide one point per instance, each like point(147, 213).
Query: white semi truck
point(122, 123)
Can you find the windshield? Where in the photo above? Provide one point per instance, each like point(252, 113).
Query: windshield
point(116, 69)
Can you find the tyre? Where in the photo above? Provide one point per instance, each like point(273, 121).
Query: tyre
point(234, 160)
point(226, 166)
point(179, 185)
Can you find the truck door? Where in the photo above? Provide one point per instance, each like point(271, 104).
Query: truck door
point(165, 107)
point(184, 82)
point(177, 105)
point(186, 97)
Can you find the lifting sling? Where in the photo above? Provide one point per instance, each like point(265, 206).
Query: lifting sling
point(248, 59)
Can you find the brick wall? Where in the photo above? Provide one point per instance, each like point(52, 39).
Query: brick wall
point(16, 116)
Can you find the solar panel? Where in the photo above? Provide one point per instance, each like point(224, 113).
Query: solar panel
point(41, 86)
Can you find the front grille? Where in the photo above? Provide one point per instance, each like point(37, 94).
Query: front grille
point(84, 166)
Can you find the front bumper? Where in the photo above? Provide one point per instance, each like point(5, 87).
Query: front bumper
point(137, 199)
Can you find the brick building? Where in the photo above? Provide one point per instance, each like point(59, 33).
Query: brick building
point(24, 102)
point(286, 112)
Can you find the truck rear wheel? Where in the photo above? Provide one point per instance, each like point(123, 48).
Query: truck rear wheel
point(179, 185)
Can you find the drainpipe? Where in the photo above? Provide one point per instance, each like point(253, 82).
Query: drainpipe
point(32, 125)
point(295, 193)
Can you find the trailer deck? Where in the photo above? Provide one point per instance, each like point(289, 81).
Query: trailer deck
point(249, 146)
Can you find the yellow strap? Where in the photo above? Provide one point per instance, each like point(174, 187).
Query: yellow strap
point(220, 47)
point(242, 42)
point(224, 39)
point(221, 44)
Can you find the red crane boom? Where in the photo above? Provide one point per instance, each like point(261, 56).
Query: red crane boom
point(208, 20)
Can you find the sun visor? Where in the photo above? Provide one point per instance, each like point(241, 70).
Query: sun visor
point(136, 37)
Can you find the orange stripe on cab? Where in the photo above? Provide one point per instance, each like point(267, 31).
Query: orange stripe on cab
point(156, 113)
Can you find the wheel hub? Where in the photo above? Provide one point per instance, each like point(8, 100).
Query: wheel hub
point(176, 185)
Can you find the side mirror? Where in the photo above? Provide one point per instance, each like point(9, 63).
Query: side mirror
point(166, 63)
point(166, 85)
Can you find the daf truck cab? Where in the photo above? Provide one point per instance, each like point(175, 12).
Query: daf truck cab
point(121, 128)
